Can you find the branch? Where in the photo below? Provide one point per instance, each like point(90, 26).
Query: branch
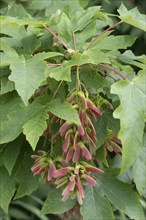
point(54, 35)
point(112, 69)
point(58, 87)
point(105, 74)
point(103, 32)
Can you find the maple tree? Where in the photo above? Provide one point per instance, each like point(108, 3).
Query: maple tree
point(72, 109)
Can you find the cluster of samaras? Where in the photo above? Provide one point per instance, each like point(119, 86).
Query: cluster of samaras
point(76, 168)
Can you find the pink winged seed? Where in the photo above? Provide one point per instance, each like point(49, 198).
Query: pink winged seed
point(80, 187)
point(83, 117)
point(75, 141)
point(64, 128)
point(81, 130)
point(66, 143)
point(90, 180)
point(94, 169)
point(52, 170)
point(86, 154)
point(61, 172)
point(69, 155)
point(76, 155)
point(84, 103)
point(71, 185)
point(94, 109)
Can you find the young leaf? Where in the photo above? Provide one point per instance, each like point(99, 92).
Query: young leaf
point(132, 98)
point(132, 17)
point(54, 203)
point(95, 205)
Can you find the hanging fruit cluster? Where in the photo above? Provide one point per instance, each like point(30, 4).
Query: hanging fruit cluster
point(76, 168)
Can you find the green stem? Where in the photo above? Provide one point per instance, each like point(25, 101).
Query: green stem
point(103, 32)
point(51, 152)
point(78, 85)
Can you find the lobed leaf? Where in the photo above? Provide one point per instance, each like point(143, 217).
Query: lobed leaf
point(131, 114)
point(132, 17)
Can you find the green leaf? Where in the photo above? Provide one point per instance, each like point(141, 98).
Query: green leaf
point(30, 43)
point(8, 103)
point(16, 116)
point(64, 110)
point(7, 189)
point(132, 17)
point(138, 171)
point(92, 79)
point(112, 42)
point(29, 74)
point(122, 197)
point(101, 127)
point(6, 20)
point(65, 30)
point(96, 56)
point(17, 10)
point(130, 58)
point(84, 18)
point(95, 206)
point(54, 203)
point(8, 56)
point(11, 153)
point(60, 72)
point(82, 36)
point(12, 126)
point(24, 177)
point(69, 7)
point(34, 128)
point(132, 105)
point(31, 208)
point(6, 85)
point(12, 29)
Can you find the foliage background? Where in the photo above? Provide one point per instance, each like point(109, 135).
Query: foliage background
point(29, 207)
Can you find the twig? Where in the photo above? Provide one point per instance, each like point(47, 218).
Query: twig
point(54, 35)
point(74, 40)
point(105, 74)
point(58, 87)
point(112, 69)
point(103, 32)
